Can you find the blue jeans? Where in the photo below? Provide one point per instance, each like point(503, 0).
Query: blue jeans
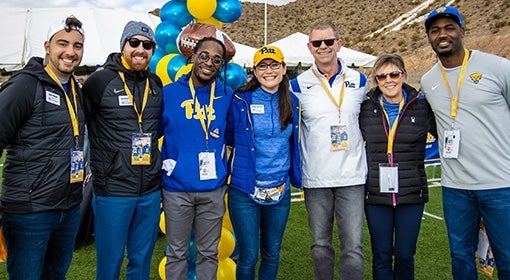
point(258, 226)
point(346, 204)
point(393, 232)
point(128, 224)
point(40, 245)
point(463, 210)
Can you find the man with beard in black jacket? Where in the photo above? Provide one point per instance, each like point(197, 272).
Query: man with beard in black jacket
point(42, 129)
point(122, 108)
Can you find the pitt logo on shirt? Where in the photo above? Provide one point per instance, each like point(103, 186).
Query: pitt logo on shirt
point(198, 112)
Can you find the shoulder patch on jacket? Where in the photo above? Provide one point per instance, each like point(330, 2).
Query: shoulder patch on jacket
point(294, 84)
point(362, 79)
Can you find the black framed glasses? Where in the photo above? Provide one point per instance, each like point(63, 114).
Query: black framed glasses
point(393, 75)
point(318, 43)
point(273, 65)
point(216, 60)
point(146, 44)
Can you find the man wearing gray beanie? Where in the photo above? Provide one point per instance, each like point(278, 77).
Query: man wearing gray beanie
point(122, 108)
point(133, 28)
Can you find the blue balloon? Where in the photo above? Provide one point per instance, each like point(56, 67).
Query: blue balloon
point(166, 36)
point(228, 10)
point(158, 54)
point(174, 65)
point(176, 13)
point(235, 75)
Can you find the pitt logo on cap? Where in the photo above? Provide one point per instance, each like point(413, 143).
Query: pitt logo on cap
point(266, 50)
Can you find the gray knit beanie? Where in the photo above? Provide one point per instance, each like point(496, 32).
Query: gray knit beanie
point(134, 28)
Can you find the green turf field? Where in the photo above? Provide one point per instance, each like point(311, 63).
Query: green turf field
point(432, 256)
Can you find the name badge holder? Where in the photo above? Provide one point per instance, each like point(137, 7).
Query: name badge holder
point(388, 178)
point(207, 165)
point(77, 166)
point(451, 143)
point(339, 137)
point(141, 149)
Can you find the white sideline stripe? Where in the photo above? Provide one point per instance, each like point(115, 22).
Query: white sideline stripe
point(433, 216)
point(296, 196)
point(434, 184)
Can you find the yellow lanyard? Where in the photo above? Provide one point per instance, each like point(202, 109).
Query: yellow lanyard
point(130, 97)
point(326, 88)
point(71, 109)
point(455, 99)
point(202, 115)
point(392, 130)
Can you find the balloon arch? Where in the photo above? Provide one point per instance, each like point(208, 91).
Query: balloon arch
point(168, 62)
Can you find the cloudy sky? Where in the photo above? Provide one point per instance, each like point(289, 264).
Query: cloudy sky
point(132, 5)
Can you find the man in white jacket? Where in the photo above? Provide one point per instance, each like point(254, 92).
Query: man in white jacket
point(333, 155)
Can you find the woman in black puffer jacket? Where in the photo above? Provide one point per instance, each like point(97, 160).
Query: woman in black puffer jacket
point(394, 122)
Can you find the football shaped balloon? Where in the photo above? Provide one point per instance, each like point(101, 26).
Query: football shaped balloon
point(193, 32)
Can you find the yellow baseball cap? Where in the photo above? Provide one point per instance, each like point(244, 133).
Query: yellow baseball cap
point(271, 52)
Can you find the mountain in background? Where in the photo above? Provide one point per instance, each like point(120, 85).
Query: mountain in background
point(377, 27)
point(270, 2)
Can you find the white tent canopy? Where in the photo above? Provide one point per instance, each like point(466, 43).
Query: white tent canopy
point(24, 32)
point(244, 55)
point(295, 50)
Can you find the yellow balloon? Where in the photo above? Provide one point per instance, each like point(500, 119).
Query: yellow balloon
point(226, 269)
point(161, 68)
point(211, 21)
point(226, 217)
point(183, 70)
point(227, 244)
point(201, 9)
point(161, 269)
point(162, 223)
point(160, 142)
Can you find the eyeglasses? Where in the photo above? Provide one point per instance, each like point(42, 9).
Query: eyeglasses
point(204, 57)
point(146, 44)
point(318, 43)
point(273, 65)
point(393, 75)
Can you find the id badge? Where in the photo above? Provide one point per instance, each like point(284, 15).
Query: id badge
point(77, 166)
point(141, 149)
point(451, 143)
point(207, 165)
point(268, 194)
point(339, 138)
point(257, 109)
point(388, 178)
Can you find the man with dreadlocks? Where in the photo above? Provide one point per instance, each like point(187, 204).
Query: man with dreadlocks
point(194, 120)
